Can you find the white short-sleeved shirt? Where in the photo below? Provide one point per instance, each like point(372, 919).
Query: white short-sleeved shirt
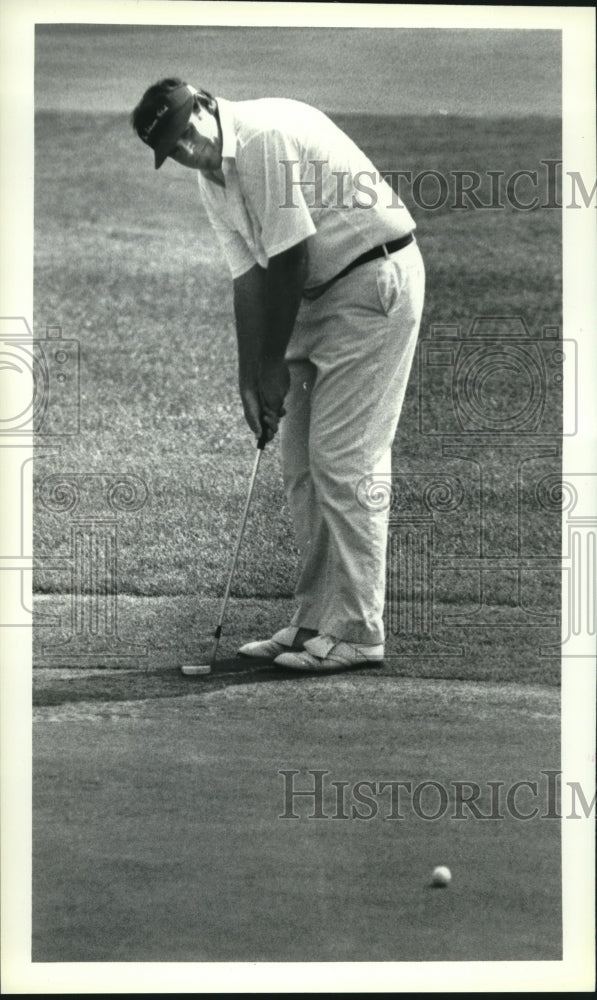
point(292, 175)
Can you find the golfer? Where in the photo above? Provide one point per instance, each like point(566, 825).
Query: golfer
point(328, 286)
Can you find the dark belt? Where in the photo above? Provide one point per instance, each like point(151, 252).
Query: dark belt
point(392, 247)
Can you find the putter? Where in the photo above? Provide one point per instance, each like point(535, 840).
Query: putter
point(195, 670)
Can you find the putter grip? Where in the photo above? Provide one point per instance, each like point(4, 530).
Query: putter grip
point(262, 441)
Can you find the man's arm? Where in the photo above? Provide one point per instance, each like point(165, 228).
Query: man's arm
point(249, 311)
point(266, 302)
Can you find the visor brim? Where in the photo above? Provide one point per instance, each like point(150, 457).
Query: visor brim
point(174, 126)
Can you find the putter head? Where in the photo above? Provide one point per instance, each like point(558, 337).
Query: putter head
point(196, 670)
point(200, 669)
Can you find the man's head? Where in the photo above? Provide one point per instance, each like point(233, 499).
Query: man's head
point(179, 121)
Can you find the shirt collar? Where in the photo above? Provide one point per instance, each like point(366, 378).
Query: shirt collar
point(228, 126)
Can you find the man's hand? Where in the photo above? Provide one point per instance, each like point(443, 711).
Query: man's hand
point(249, 395)
point(263, 397)
point(266, 301)
point(274, 382)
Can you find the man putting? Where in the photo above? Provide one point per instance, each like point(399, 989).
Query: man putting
point(328, 286)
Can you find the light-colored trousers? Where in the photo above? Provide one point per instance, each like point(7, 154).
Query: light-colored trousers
point(349, 356)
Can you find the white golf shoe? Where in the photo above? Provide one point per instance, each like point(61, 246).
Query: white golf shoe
point(282, 642)
point(324, 652)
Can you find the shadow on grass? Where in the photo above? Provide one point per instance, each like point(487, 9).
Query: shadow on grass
point(56, 687)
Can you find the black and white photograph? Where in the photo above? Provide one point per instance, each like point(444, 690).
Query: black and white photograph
point(299, 502)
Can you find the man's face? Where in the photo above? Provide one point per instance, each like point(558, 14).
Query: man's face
point(200, 145)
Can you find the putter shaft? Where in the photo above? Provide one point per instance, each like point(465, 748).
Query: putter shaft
point(218, 632)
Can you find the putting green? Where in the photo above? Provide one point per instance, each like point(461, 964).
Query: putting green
point(158, 837)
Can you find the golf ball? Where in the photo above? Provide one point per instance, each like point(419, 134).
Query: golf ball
point(195, 670)
point(441, 876)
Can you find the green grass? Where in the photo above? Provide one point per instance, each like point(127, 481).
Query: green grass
point(126, 264)
point(165, 842)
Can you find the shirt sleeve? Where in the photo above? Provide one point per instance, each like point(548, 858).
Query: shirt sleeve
point(269, 173)
point(237, 254)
